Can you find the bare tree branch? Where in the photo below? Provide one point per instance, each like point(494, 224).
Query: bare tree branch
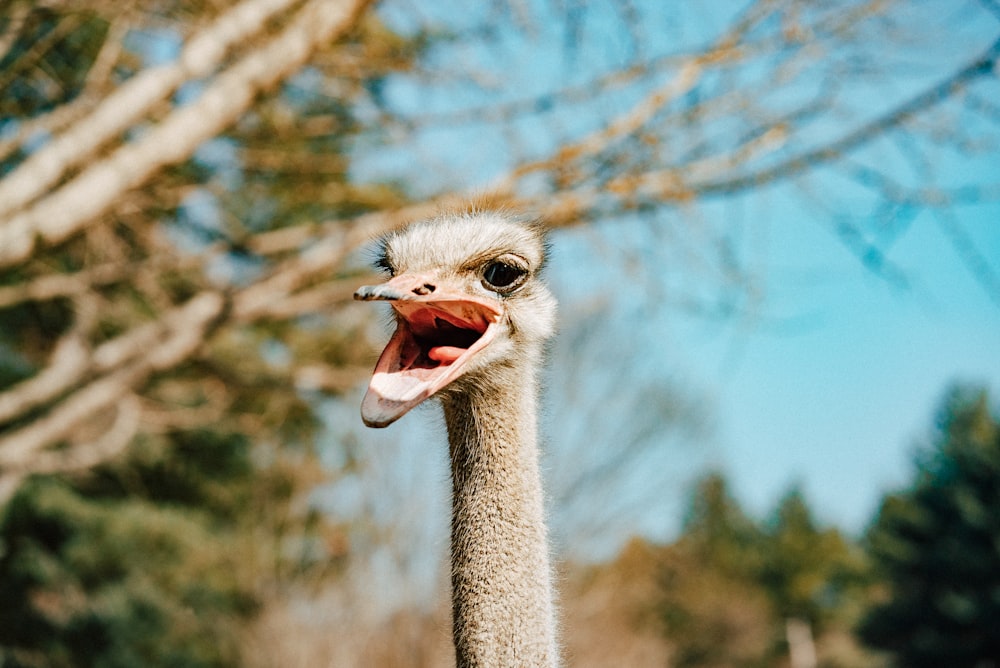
point(325, 378)
point(14, 22)
point(87, 196)
point(80, 456)
point(68, 364)
point(984, 66)
point(174, 339)
point(133, 100)
point(626, 125)
point(51, 286)
point(18, 447)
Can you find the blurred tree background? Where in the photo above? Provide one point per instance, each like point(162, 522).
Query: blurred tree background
point(937, 546)
point(187, 190)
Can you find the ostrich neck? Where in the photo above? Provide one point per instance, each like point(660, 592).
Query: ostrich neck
point(501, 580)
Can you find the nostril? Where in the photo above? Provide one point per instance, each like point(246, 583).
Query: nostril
point(424, 289)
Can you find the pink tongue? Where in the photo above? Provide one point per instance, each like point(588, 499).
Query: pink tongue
point(445, 354)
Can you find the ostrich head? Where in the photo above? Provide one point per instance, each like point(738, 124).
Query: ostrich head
point(467, 299)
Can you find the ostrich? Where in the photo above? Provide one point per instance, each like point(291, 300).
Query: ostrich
point(471, 320)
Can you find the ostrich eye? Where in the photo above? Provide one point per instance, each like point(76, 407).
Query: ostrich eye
point(502, 276)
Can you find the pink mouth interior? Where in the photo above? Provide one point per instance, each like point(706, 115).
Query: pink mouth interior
point(432, 343)
point(440, 333)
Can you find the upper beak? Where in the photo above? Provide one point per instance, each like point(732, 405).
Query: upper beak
point(439, 328)
point(399, 288)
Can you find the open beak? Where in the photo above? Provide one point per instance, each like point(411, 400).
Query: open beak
point(439, 329)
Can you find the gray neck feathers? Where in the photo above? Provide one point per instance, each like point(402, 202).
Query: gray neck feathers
point(501, 578)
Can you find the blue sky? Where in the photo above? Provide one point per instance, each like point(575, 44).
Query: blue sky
point(838, 398)
point(830, 383)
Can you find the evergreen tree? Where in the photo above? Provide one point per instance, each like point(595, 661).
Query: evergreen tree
point(731, 586)
point(717, 529)
point(159, 558)
point(713, 611)
point(811, 573)
point(937, 544)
